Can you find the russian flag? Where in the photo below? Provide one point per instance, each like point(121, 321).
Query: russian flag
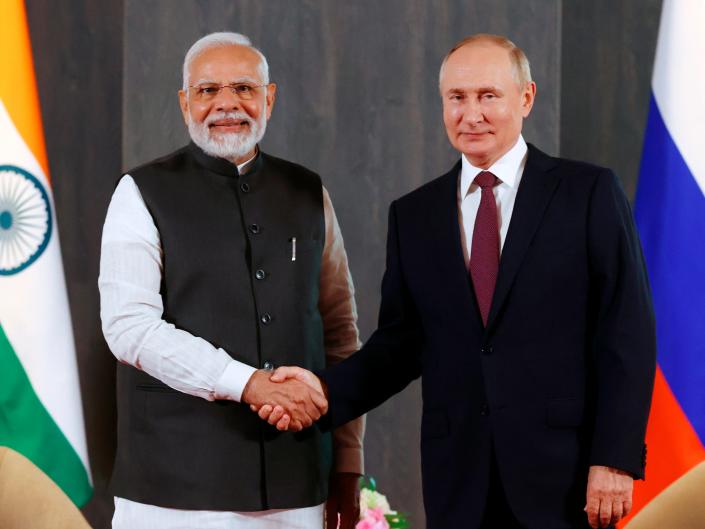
point(670, 215)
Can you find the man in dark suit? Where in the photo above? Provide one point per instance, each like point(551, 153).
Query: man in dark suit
point(515, 287)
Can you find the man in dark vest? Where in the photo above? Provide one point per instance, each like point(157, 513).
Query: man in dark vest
point(516, 289)
point(219, 263)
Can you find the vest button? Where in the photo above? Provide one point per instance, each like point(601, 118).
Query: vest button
point(266, 318)
point(254, 229)
point(260, 274)
point(245, 187)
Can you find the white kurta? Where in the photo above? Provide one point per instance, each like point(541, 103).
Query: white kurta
point(133, 515)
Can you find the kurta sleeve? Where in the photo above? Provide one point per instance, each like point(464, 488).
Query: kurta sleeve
point(339, 313)
point(131, 308)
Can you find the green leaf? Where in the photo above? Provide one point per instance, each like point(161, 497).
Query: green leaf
point(397, 521)
point(368, 482)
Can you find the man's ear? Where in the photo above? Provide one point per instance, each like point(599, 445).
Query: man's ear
point(528, 96)
point(183, 104)
point(270, 98)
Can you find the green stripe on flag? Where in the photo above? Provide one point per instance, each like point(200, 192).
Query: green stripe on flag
point(27, 427)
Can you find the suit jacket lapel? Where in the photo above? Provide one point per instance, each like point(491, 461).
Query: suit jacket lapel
point(537, 186)
point(446, 233)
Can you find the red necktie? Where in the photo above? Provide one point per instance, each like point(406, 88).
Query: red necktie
point(484, 256)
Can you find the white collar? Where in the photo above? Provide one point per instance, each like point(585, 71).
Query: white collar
point(506, 168)
point(241, 166)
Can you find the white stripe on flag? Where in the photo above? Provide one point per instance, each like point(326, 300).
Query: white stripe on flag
point(679, 79)
point(34, 312)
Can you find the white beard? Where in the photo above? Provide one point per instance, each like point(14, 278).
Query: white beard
point(233, 145)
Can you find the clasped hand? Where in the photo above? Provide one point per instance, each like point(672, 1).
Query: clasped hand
point(291, 398)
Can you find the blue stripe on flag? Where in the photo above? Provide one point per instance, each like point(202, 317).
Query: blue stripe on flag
point(670, 214)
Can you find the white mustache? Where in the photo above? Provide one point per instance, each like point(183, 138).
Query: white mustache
point(230, 145)
point(240, 116)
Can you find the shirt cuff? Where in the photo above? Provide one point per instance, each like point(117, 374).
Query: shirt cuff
point(233, 381)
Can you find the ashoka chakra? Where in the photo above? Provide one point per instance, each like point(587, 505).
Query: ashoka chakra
point(25, 219)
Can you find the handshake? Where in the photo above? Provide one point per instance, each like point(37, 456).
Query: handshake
point(290, 398)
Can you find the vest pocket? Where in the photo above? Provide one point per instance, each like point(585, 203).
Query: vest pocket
point(158, 388)
point(302, 246)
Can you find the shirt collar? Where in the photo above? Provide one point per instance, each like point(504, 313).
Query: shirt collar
point(508, 168)
point(243, 168)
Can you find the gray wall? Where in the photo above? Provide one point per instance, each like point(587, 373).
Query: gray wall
point(78, 61)
point(608, 54)
point(357, 102)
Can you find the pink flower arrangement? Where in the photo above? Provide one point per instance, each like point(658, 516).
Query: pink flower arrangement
point(375, 512)
point(373, 519)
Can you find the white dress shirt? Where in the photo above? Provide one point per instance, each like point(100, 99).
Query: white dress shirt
point(131, 314)
point(508, 169)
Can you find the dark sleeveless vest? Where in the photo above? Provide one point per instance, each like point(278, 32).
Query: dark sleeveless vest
point(229, 278)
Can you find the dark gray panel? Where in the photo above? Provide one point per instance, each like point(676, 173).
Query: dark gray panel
point(78, 61)
point(357, 102)
point(608, 54)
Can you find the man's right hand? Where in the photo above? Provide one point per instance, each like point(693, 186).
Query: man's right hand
point(277, 415)
point(298, 403)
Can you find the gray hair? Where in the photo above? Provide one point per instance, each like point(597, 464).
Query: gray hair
point(520, 64)
point(223, 38)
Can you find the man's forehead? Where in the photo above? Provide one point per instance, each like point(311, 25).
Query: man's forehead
point(207, 79)
point(233, 58)
point(477, 63)
point(475, 54)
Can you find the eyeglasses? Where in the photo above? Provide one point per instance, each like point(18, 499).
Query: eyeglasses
point(209, 91)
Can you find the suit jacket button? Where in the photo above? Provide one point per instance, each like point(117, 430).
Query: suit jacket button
point(487, 350)
point(254, 229)
point(266, 318)
point(260, 274)
point(485, 410)
point(268, 366)
point(245, 187)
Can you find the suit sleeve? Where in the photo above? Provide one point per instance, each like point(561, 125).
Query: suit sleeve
point(391, 358)
point(624, 341)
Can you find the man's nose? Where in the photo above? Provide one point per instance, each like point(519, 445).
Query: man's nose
point(472, 113)
point(226, 100)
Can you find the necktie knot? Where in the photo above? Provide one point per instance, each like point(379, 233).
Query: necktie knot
point(485, 180)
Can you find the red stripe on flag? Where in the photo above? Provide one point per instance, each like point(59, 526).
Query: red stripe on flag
point(673, 446)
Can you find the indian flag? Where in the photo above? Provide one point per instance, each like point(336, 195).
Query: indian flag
point(40, 401)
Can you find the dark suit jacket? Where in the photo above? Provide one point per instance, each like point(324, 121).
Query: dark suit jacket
point(560, 379)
